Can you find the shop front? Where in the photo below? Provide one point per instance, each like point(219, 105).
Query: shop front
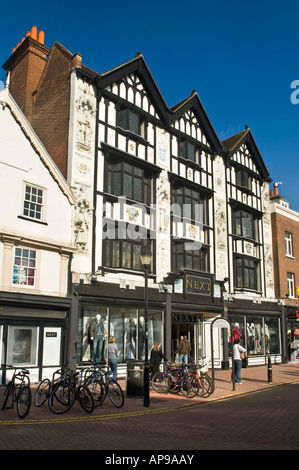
point(261, 331)
point(105, 310)
point(32, 333)
point(292, 331)
point(97, 323)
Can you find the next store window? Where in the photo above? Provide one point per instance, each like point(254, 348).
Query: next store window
point(127, 325)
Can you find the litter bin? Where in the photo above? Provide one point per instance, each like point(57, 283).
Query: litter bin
point(135, 378)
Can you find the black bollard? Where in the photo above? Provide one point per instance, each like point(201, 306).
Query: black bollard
point(269, 370)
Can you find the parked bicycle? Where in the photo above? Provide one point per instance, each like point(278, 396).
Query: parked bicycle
point(66, 386)
point(18, 388)
point(175, 379)
point(45, 387)
point(201, 381)
point(101, 385)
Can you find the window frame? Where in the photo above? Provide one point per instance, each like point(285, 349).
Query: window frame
point(253, 224)
point(33, 204)
point(247, 271)
point(186, 194)
point(25, 266)
point(243, 179)
point(199, 258)
point(110, 247)
point(291, 285)
point(123, 121)
point(288, 244)
point(145, 179)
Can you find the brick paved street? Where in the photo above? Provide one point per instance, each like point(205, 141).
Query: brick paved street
point(261, 416)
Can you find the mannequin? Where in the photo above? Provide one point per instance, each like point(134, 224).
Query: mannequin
point(236, 333)
point(96, 337)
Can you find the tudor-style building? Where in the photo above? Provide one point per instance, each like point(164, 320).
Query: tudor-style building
point(35, 250)
point(144, 170)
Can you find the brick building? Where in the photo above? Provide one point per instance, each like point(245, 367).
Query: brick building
point(285, 233)
point(136, 165)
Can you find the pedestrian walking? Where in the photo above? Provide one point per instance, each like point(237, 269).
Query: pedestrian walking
point(112, 357)
point(184, 349)
point(156, 357)
point(237, 351)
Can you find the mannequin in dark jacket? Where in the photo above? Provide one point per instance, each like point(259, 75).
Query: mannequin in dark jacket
point(156, 357)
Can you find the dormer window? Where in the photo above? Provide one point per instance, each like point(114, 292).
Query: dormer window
point(244, 179)
point(131, 121)
point(189, 151)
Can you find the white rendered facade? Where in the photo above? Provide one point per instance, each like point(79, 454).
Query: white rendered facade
point(35, 246)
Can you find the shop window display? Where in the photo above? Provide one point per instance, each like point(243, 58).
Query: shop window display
point(255, 336)
point(128, 327)
point(260, 336)
point(238, 328)
point(94, 334)
point(272, 338)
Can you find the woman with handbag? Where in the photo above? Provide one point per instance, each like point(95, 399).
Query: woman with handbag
point(237, 352)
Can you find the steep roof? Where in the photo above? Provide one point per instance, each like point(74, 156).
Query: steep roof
point(7, 100)
point(232, 144)
point(168, 115)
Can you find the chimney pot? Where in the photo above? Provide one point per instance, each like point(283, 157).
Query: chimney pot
point(34, 32)
point(41, 37)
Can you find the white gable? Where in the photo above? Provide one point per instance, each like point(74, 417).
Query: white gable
point(21, 163)
point(131, 89)
point(188, 124)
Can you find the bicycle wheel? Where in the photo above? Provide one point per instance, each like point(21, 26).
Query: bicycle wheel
point(85, 399)
point(61, 398)
point(7, 394)
point(24, 401)
point(115, 393)
point(97, 389)
point(42, 392)
point(187, 388)
point(204, 386)
point(160, 382)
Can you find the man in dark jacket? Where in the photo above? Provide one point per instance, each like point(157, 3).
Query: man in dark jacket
point(184, 349)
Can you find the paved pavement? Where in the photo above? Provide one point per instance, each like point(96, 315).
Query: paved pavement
point(253, 379)
point(41, 429)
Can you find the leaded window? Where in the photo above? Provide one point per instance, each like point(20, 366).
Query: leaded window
point(125, 179)
point(194, 260)
point(246, 273)
point(244, 179)
point(244, 224)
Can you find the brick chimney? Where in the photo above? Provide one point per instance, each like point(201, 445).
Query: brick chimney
point(26, 65)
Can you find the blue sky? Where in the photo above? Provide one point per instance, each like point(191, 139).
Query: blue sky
point(241, 58)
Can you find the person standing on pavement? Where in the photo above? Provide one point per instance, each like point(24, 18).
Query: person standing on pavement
point(112, 358)
point(184, 349)
point(237, 351)
point(156, 357)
